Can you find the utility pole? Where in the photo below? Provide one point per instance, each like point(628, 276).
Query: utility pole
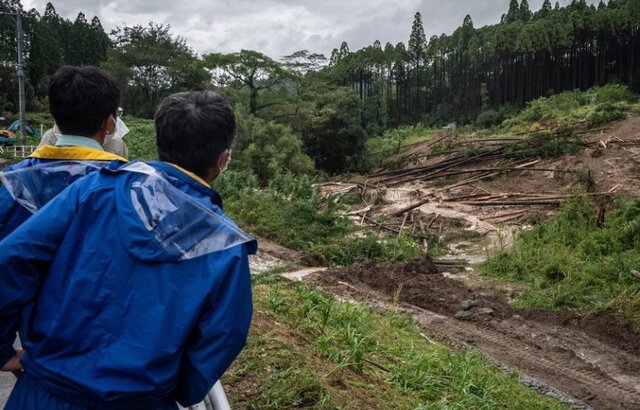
point(20, 69)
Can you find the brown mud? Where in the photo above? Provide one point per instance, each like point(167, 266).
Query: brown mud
point(594, 359)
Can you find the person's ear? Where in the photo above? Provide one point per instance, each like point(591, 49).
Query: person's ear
point(223, 158)
point(217, 168)
point(112, 121)
point(108, 125)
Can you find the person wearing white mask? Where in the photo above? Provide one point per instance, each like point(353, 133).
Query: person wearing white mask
point(113, 142)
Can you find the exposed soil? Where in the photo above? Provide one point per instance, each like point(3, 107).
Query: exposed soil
point(595, 359)
point(612, 160)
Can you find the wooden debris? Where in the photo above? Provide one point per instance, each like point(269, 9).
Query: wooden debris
point(606, 142)
point(404, 221)
point(507, 214)
point(425, 243)
point(358, 212)
point(432, 221)
point(428, 339)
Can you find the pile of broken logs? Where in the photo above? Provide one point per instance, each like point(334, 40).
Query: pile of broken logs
point(493, 157)
point(454, 164)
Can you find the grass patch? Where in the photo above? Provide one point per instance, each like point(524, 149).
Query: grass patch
point(308, 350)
point(573, 262)
point(596, 106)
point(391, 142)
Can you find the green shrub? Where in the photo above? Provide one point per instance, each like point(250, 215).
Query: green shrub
point(268, 149)
point(347, 250)
point(598, 105)
point(232, 183)
point(487, 118)
point(607, 112)
point(285, 211)
point(613, 93)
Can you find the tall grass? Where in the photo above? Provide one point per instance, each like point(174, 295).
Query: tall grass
point(571, 261)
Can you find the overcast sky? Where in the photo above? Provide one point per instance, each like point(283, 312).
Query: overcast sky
point(280, 27)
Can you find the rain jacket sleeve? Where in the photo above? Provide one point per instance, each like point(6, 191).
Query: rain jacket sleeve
point(221, 332)
point(11, 215)
point(26, 255)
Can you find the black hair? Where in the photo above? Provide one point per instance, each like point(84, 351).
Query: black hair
point(81, 98)
point(193, 129)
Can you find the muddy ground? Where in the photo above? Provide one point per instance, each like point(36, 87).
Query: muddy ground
point(594, 359)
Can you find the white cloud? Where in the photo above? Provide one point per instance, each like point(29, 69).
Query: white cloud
point(279, 27)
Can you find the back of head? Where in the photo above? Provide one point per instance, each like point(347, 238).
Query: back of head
point(193, 129)
point(81, 98)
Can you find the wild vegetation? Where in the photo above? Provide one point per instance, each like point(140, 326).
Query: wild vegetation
point(287, 211)
point(596, 106)
point(576, 261)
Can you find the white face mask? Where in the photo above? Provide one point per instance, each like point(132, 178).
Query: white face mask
point(119, 131)
point(226, 164)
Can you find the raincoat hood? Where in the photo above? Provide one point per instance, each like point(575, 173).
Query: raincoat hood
point(34, 186)
point(160, 222)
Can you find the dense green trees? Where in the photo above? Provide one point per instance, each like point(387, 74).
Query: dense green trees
point(526, 56)
point(149, 64)
point(49, 42)
point(335, 138)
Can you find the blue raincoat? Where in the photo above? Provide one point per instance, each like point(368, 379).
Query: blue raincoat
point(42, 176)
point(141, 292)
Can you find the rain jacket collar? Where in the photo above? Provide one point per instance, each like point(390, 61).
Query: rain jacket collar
point(74, 153)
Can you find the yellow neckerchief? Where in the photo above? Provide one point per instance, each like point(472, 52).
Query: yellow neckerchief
point(74, 153)
point(191, 174)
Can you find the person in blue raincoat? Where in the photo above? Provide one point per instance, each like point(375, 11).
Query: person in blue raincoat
point(83, 101)
point(140, 283)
